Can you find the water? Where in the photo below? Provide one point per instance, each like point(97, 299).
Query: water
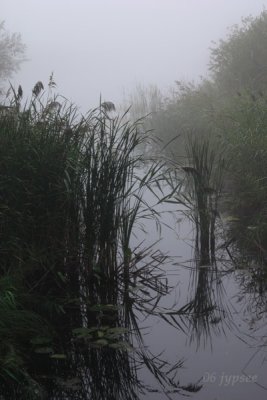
point(226, 351)
point(216, 347)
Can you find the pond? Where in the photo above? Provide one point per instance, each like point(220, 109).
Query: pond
point(181, 329)
point(222, 340)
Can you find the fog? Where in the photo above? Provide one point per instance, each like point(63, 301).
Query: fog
point(89, 265)
point(109, 46)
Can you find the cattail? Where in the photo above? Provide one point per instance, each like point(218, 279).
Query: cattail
point(20, 92)
point(37, 88)
point(108, 106)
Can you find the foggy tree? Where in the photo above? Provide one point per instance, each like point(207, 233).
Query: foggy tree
point(238, 65)
point(240, 60)
point(12, 53)
point(227, 110)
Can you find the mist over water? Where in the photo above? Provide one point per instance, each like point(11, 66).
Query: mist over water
point(157, 284)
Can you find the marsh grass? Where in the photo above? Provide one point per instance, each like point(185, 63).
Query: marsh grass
point(204, 176)
point(71, 193)
point(195, 183)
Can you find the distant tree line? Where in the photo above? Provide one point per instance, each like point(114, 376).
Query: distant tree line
point(228, 108)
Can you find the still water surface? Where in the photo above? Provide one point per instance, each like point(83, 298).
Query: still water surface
point(224, 348)
point(220, 339)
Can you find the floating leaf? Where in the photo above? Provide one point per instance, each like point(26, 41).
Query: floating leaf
point(41, 340)
point(102, 342)
point(231, 218)
point(43, 350)
point(58, 356)
point(72, 384)
point(121, 346)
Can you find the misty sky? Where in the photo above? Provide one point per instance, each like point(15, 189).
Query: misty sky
point(108, 46)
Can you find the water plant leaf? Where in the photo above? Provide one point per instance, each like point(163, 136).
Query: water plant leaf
point(83, 333)
point(71, 384)
point(102, 342)
point(58, 356)
point(43, 350)
point(231, 218)
point(121, 345)
point(41, 340)
point(103, 307)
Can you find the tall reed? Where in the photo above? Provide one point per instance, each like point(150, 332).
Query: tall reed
point(204, 183)
point(70, 194)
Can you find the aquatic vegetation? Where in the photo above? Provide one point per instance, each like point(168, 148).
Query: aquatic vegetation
point(71, 193)
point(204, 183)
point(196, 188)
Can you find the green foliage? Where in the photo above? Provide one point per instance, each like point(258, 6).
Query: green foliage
point(104, 336)
point(247, 153)
point(70, 195)
point(18, 327)
point(204, 181)
point(239, 61)
point(238, 66)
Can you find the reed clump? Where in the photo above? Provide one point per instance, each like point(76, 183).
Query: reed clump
point(204, 179)
point(69, 197)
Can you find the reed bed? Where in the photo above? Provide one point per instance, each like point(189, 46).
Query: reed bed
point(70, 196)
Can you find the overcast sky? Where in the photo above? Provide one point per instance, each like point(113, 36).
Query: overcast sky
point(108, 46)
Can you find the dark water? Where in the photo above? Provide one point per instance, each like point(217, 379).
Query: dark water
point(224, 345)
point(209, 329)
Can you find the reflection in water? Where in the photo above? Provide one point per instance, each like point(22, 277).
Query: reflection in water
point(205, 313)
point(249, 271)
point(251, 274)
point(101, 359)
point(224, 314)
